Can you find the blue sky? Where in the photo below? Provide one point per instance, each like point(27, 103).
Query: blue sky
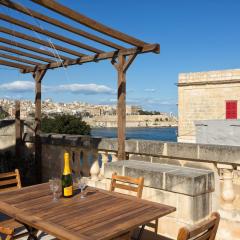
point(194, 36)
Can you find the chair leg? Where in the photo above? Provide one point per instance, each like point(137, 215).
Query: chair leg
point(9, 237)
point(156, 226)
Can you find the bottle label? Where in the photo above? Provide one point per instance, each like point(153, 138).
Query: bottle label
point(68, 191)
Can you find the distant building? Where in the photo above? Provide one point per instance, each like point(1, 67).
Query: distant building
point(209, 107)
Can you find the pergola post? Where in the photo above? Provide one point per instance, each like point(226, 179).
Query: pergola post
point(38, 76)
point(121, 107)
point(18, 130)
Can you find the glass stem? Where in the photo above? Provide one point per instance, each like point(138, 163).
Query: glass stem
point(54, 196)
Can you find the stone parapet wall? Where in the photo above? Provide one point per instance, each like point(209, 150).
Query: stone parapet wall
point(150, 150)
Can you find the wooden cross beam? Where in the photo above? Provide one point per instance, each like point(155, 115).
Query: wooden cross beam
point(98, 57)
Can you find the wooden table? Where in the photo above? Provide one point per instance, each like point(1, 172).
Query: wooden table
point(102, 215)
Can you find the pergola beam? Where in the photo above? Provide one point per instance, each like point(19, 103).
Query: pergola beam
point(82, 19)
point(25, 46)
point(129, 61)
point(57, 23)
point(48, 33)
point(29, 55)
point(39, 41)
point(12, 64)
point(18, 59)
point(98, 57)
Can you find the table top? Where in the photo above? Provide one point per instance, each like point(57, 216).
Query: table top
point(100, 215)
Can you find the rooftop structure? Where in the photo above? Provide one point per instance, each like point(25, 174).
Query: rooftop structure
point(121, 56)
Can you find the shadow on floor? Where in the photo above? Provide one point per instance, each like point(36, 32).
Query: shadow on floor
point(148, 235)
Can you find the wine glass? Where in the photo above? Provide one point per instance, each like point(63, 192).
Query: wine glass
point(54, 184)
point(81, 184)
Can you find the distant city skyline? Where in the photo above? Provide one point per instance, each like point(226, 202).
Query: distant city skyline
point(194, 36)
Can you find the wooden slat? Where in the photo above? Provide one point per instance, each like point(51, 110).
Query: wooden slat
point(39, 41)
point(45, 18)
point(48, 33)
point(50, 228)
point(125, 187)
point(205, 236)
point(138, 182)
point(126, 179)
point(8, 174)
point(18, 59)
point(99, 57)
point(14, 65)
point(30, 48)
point(8, 189)
point(8, 182)
point(206, 230)
point(96, 217)
point(204, 226)
point(82, 19)
point(29, 55)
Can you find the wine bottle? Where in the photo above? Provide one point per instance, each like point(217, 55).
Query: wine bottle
point(67, 182)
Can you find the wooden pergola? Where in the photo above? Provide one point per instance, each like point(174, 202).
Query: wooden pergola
point(38, 62)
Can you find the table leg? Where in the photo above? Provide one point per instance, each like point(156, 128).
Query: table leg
point(32, 233)
point(139, 236)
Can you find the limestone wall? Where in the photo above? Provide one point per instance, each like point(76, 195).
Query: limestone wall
point(202, 96)
point(218, 132)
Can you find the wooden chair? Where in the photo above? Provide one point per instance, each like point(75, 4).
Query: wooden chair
point(126, 180)
point(10, 181)
point(206, 230)
point(138, 189)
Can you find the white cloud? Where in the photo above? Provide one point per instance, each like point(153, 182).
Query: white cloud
point(18, 86)
point(150, 90)
point(89, 89)
point(27, 86)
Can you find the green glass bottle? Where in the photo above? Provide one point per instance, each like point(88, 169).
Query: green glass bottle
point(67, 182)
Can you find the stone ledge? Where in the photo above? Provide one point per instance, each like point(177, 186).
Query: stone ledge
point(182, 180)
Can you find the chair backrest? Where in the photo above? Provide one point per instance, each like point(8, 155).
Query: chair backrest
point(10, 180)
point(206, 230)
point(124, 181)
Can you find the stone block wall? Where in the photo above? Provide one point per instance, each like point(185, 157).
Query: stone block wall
point(202, 96)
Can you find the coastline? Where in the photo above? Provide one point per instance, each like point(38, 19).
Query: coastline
point(145, 133)
point(127, 127)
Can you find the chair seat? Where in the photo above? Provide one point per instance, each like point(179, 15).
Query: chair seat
point(10, 224)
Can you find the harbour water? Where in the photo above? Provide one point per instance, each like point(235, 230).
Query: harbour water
point(160, 134)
